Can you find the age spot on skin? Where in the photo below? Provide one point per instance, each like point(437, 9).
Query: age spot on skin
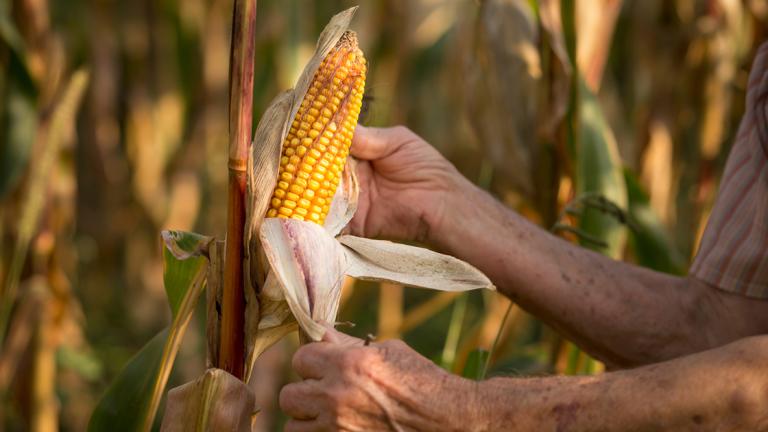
point(565, 415)
point(698, 419)
point(565, 277)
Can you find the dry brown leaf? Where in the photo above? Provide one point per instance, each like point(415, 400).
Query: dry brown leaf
point(503, 70)
point(217, 401)
point(409, 265)
point(595, 21)
point(309, 265)
point(552, 115)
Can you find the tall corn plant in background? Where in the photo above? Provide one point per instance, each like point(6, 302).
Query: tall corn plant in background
point(40, 96)
point(542, 63)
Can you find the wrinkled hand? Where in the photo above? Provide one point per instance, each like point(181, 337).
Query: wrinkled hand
point(406, 185)
point(384, 386)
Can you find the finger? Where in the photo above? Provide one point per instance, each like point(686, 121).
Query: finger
point(338, 338)
point(300, 400)
point(309, 361)
point(294, 425)
point(375, 143)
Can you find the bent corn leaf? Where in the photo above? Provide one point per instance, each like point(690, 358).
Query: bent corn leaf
point(648, 237)
point(599, 171)
point(475, 367)
point(125, 403)
point(131, 402)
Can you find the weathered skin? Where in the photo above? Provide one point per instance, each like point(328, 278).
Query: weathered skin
point(709, 374)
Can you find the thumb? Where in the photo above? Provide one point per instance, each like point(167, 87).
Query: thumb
point(371, 143)
point(338, 338)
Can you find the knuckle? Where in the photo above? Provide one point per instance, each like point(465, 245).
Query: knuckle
point(287, 397)
point(349, 359)
point(395, 344)
point(403, 133)
point(335, 399)
point(298, 358)
point(356, 359)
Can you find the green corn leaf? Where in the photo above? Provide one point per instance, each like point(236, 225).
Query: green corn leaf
point(8, 32)
point(131, 402)
point(475, 366)
point(18, 124)
point(599, 172)
point(572, 366)
point(454, 333)
point(648, 238)
point(125, 403)
point(18, 104)
point(181, 261)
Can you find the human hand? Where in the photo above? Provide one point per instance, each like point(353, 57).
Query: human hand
point(384, 386)
point(406, 186)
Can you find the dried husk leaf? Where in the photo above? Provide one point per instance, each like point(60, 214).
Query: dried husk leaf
point(217, 401)
point(269, 336)
point(310, 265)
point(344, 203)
point(262, 173)
point(383, 260)
point(275, 321)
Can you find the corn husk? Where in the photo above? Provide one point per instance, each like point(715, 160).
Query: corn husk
point(296, 267)
point(310, 266)
point(267, 322)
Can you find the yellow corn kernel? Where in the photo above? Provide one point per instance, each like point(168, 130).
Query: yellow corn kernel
point(316, 148)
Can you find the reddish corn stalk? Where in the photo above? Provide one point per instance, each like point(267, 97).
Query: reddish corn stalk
point(232, 338)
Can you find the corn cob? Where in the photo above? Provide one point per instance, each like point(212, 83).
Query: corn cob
point(316, 148)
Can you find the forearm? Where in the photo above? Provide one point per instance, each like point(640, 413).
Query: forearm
point(722, 389)
point(623, 314)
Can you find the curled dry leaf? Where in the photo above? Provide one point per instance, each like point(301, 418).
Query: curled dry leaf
point(183, 245)
point(344, 204)
point(409, 265)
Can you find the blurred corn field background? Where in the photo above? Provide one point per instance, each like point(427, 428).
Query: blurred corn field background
point(607, 121)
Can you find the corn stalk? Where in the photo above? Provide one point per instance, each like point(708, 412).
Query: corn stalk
point(232, 340)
